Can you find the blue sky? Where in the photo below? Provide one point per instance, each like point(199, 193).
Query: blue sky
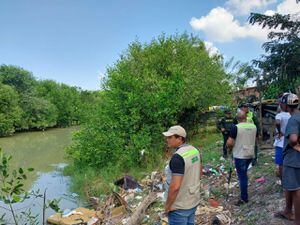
point(74, 41)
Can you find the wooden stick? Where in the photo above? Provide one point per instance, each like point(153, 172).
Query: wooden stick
point(139, 213)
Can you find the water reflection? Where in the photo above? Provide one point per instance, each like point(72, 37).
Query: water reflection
point(45, 152)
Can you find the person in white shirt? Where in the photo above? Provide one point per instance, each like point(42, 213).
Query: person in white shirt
point(282, 119)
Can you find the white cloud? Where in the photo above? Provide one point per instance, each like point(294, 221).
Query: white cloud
point(269, 12)
point(220, 26)
point(244, 7)
point(288, 7)
point(211, 49)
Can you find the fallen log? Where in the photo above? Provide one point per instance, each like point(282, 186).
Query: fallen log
point(139, 213)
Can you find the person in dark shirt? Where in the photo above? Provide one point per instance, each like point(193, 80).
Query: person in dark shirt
point(291, 161)
point(183, 175)
point(224, 125)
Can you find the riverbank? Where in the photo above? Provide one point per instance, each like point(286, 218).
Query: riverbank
point(88, 181)
point(45, 129)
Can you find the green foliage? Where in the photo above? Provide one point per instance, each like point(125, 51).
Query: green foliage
point(276, 88)
point(237, 73)
point(12, 192)
point(280, 64)
point(10, 112)
point(38, 113)
point(152, 86)
point(26, 103)
point(66, 99)
point(22, 80)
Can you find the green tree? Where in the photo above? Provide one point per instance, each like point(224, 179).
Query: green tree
point(39, 113)
point(22, 80)
point(66, 99)
point(280, 65)
point(89, 100)
point(152, 86)
point(10, 112)
point(237, 71)
point(41, 104)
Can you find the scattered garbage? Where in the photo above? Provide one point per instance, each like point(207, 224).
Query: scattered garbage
point(209, 170)
point(143, 202)
point(260, 180)
point(82, 215)
point(127, 182)
point(213, 203)
point(74, 195)
point(212, 215)
point(231, 185)
point(216, 221)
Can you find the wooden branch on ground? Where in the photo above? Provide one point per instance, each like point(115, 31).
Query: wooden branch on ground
point(139, 213)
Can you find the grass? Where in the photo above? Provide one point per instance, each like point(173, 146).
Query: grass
point(210, 144)
point(88, 181)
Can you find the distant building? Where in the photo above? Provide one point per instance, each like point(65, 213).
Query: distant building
point(246, 94)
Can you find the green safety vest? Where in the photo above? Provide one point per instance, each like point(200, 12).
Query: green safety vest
point(245, 141)
point(250, 117)
point(189, 193)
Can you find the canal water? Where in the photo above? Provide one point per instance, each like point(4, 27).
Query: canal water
point(45, 152)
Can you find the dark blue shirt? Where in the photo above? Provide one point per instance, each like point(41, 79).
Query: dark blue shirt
point(177, 165)
point(291, 157)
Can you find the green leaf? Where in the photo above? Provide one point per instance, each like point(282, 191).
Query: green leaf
point(16, 198)
point(21, 171)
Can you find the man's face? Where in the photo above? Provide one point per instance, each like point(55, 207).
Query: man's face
point(173, 142)
point(283, 107)
point(245, 109)
point(228, 115)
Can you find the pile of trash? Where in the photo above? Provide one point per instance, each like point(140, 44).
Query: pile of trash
point(142, 202)
point(133, 202)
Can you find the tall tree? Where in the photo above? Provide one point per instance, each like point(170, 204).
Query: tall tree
point(40, 104)
point(22, 80)
point(39, 113)
point(152, 86)
point(65, 98)
point(280, 66)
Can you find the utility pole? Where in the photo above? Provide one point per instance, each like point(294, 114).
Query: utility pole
point(260, 90)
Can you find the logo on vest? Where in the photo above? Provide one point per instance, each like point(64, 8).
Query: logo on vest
point(195, 159)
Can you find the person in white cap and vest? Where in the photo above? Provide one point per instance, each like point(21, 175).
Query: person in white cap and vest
point(183, 178)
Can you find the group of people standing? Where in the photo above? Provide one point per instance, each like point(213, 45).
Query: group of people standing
point(184, 170)
point(287, 155)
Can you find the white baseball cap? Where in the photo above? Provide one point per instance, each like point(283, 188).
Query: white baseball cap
point(290, 99)
point(179, 130)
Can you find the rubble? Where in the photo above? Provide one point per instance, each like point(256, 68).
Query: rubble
point(77, 216)
point(127, 182)
point(261, 180)
point(143, 202)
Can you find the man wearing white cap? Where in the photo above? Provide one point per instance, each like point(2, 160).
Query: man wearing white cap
point(183, 178)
